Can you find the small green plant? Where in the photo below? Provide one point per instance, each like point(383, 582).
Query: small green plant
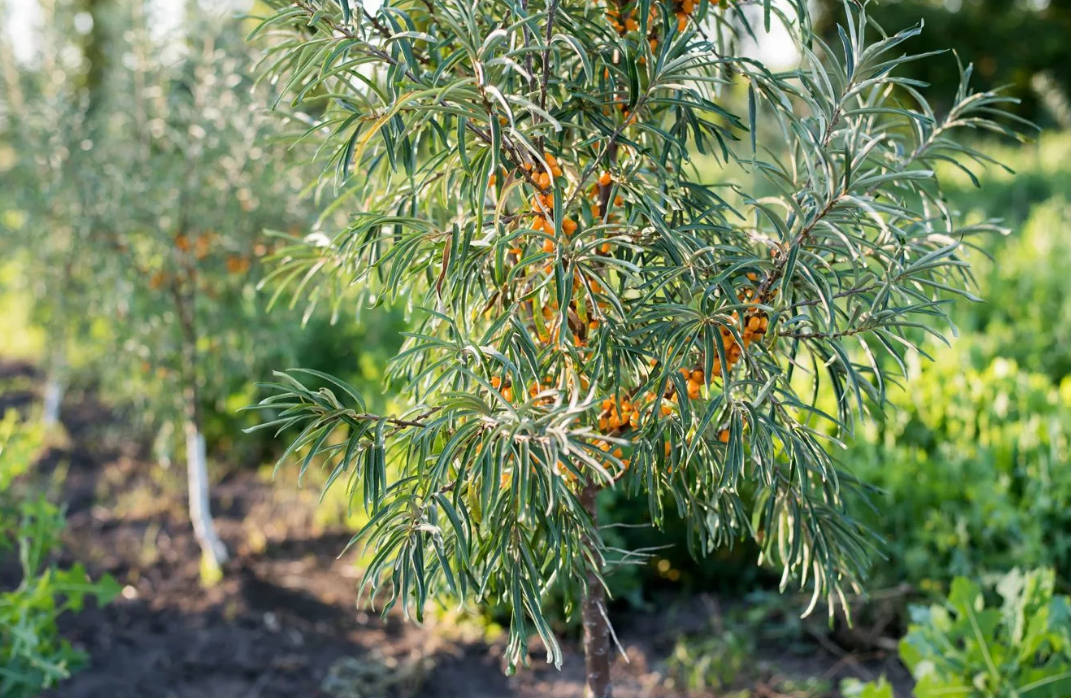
point(714, 661)
point(854, 688)
point(724, 658)
point(966, 647)
point(33, 656)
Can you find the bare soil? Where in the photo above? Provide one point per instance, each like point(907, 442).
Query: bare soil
point(283, 621)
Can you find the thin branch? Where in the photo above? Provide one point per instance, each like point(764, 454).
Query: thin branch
point(551, 14)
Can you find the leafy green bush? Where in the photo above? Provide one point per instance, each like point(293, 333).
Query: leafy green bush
point(1026, 315)
point(971, 471)
point(33, 656)
point(1030, 175)
point(966, 647)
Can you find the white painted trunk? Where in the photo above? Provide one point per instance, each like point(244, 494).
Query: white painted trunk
point(54, 386)
point(204, 529)
point(53, 398)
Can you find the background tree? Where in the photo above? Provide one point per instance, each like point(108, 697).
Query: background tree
point(49, 103)
point(144, 218)
point(590, 314)
point(187, 230)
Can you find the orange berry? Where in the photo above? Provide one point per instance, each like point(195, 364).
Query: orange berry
point(496, 382)
point(605, 179)
point(723, 436)
point(507, 393)
point(604, 424)
point(682, 22)
point(618, 453)
point(548, 246)
point(593, 325)
point(492, 181)
point(569, 226)
point(754, 323)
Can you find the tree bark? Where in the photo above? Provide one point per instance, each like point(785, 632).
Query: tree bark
point(593, 613)
point(213, 552)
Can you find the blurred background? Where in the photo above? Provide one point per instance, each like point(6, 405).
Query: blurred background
point(143, 186)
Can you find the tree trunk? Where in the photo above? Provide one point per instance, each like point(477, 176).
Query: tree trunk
point(213, 552)
point(596, 622)
point(54, 385)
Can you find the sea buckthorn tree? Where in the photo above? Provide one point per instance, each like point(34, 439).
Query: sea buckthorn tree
point(144, 221)
point(197, 175)
point(594, 308)
point(47, 104)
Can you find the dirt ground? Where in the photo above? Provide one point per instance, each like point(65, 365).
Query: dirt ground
point(283, 622)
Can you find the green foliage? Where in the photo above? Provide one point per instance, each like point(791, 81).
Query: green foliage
point(727, 656)
point(1027, 313)
point(973, 467)
point(854, 688)
point(33, 656)
point(1031, 175)
point(714, 661)
point(724, 662)
point(967, 647)
point(539, 319)
point(972, 471)
point(142, 200)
